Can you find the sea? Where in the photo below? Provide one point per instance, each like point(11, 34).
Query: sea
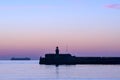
point(32, 70)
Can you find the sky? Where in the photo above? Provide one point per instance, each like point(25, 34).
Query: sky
point(31, 28)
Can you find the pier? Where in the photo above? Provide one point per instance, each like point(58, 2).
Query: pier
point(67, 59)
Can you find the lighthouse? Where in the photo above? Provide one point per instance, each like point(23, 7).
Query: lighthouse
point(57, 51)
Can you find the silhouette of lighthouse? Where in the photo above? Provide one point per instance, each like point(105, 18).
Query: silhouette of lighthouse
point(57, 51)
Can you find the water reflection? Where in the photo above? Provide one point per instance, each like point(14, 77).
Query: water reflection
point(57, 71)
point(10, 70)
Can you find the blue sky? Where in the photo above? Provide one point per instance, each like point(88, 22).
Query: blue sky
point(86, 26)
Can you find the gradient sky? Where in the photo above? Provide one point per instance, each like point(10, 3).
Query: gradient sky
point(31, 28)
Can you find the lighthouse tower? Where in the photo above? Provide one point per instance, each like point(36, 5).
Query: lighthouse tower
point(57, 51)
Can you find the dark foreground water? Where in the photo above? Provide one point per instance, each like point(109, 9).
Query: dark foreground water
point(31, 70)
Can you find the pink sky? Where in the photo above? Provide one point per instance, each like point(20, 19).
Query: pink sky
point(35, 27)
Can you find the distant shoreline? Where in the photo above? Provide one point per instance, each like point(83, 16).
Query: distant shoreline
point(26, 58)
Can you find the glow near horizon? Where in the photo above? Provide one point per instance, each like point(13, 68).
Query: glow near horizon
point(88, 27)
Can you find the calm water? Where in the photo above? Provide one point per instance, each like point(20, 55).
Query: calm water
point(31, 70)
